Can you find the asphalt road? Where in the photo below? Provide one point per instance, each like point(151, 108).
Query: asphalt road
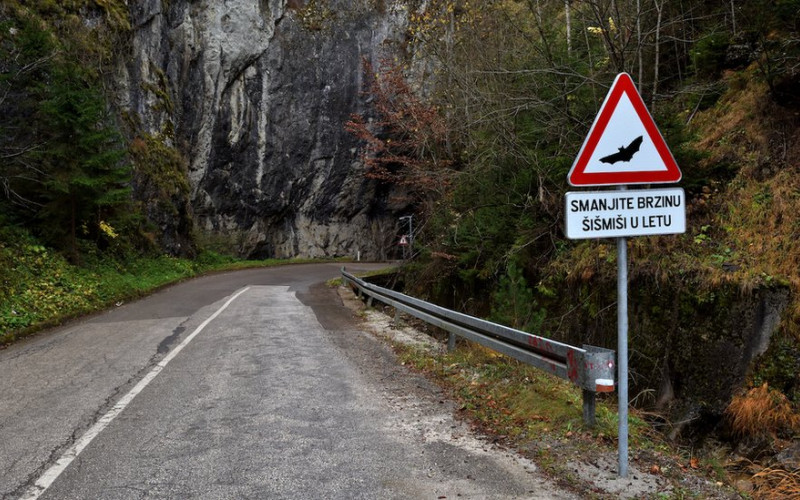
point(253, 384)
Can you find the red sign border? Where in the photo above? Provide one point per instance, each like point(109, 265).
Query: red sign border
point(577, 176)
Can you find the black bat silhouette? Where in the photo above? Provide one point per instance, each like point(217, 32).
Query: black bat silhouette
point(625, 153)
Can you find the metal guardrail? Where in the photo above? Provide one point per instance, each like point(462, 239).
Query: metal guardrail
point(590, 368)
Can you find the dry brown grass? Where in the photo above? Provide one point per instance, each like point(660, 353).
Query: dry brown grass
point(762, 411)
point(776, 484)
point(752, 221)
point(734, 127)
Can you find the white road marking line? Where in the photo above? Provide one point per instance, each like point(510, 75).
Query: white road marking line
point(51, 474)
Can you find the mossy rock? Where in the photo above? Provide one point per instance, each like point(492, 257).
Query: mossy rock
point(691, 348)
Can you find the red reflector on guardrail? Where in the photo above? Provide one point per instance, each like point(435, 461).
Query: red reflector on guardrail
point(604, 385)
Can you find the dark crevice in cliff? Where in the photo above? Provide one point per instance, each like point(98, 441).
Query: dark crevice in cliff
point(279, 20)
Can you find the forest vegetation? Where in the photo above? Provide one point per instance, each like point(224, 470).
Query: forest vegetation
point(485, 146)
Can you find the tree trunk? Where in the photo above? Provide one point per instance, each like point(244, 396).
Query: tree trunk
point(569, 26)
point(73, 230)
point(659, 10)
point(640, 81)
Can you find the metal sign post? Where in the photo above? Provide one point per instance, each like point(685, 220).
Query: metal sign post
point(622, 352)
point(410, 241)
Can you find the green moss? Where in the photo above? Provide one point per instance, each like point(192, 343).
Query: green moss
point(117, 13)
point(160, 167)
point(780, 366)
point(160, 89)
point(314, 15)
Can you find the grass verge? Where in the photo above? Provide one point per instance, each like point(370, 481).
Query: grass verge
point(42, 289)
point(520, 407)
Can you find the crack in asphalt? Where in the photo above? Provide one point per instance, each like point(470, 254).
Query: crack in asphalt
point(109, 402)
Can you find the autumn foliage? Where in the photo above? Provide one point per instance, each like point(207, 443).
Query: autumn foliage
point(762, 411)
point(406, 138)
point(777, 484)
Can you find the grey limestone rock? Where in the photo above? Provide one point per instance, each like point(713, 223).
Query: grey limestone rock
point(254, 94)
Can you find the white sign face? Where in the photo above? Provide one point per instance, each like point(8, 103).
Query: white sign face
point(614, 214)
point(625, 132)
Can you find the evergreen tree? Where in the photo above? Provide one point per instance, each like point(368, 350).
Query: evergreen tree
point(62, 168)
point(85, 178)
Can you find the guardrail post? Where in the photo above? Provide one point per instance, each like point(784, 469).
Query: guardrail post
point(451, 342)
point(589, 409)
point(595, 374)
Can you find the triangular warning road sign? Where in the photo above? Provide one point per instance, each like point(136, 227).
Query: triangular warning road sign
point(624, 145)
point(403, 241)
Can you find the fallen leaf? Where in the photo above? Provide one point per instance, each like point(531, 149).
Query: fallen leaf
point(694, 463)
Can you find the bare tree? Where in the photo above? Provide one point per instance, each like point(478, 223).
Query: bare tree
point(568, 17)
point(657, 49)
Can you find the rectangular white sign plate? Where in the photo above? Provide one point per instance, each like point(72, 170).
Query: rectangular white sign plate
point(616, 214)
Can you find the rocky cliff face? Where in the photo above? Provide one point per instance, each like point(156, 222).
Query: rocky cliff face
point(254, 93)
